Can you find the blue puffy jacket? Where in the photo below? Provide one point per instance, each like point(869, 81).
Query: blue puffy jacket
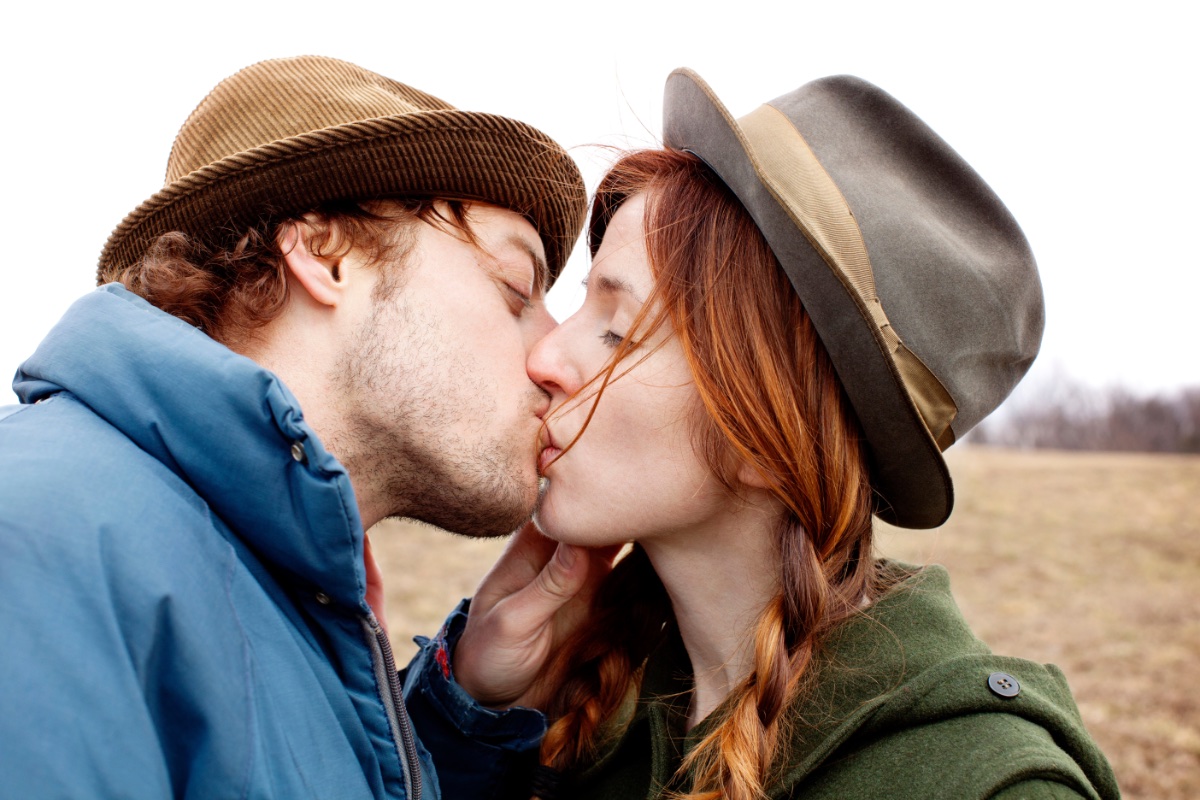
point(182, 592)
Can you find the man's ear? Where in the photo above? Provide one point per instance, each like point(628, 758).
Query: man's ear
point(321, 276)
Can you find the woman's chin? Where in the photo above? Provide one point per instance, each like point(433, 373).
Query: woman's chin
point(546, 523)
point(561, 525)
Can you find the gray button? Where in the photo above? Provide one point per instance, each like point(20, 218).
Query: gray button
point(298, 452)
point(1003, 685)
point(323, 598)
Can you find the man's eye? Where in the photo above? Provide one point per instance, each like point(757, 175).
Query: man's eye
point(520, 300)
point(611, 339)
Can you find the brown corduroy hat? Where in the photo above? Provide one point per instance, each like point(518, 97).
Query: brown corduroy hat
point(284, 136)
point(918, 280)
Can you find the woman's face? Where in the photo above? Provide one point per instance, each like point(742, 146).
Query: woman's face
point(633, 474)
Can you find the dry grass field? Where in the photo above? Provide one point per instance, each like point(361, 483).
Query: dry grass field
point(1088, 561)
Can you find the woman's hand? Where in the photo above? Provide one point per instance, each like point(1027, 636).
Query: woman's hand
point(534, 597)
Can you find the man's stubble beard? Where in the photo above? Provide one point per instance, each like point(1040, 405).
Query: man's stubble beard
point(405, 390)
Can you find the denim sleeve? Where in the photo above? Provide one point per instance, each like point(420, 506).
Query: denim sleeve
point(479, 753)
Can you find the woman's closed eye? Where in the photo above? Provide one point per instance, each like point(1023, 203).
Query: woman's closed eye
point(611, 339)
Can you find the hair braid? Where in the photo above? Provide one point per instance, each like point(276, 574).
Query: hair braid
point(770, 399)
point(628, 617)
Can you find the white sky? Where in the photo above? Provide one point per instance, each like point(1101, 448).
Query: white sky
point(1082, 118)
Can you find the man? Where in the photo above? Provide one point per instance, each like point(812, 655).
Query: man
point(321, 320)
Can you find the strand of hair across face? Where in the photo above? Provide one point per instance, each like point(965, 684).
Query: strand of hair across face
point(771, 400)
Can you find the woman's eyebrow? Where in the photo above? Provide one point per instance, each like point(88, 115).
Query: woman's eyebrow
point(606, 284)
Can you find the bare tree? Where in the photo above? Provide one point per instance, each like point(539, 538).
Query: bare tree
point(1063, 414)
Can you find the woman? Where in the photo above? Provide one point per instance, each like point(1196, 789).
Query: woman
point(788, 317)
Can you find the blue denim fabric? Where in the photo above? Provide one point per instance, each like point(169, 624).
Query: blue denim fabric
point(478, 752)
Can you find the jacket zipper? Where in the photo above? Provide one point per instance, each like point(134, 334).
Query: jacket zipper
point(402, 732)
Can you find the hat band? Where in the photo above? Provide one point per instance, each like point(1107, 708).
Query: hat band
point(790, 171)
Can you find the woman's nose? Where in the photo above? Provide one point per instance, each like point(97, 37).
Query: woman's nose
point(537, 324)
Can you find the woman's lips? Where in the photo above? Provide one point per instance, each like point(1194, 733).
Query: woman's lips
point(548, 454)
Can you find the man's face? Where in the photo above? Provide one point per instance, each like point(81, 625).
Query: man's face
point(436, 393)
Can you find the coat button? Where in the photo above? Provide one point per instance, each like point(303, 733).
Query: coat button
point(298, 452)
point(323, 598)
point(1003, 685)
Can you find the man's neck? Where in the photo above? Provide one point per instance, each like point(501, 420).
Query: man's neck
point(304, 363)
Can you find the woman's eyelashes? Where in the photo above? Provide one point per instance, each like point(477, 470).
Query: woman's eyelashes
point(611, 339)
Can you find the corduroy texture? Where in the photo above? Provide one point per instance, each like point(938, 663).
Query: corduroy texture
point(284, 136)
point(931, 310)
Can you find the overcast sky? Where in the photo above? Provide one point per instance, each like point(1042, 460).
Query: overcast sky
point(1082, 119)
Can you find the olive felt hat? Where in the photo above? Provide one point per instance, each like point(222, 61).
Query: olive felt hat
point(284, 136)
point(918, 280)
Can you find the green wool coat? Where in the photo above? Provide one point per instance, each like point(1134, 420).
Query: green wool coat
point(899, 706)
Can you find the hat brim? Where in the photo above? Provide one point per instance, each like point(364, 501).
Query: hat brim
point(910, 478)
point(450, 154)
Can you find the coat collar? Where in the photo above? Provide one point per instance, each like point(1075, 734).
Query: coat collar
point(859, 670)
point(225, 425)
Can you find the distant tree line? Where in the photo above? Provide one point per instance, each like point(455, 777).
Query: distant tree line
point(1068, 416)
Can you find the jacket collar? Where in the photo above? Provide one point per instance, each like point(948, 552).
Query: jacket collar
point(908, 660)
point(859, 669)
point(225, 425)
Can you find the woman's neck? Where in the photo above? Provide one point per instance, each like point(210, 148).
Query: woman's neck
point(720, 577)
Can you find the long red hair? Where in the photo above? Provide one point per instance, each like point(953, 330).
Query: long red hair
point(770, 398)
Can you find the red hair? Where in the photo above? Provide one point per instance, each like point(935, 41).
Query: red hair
point(768, 397)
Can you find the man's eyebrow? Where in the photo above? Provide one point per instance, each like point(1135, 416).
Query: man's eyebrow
point(541, 272)
point(606, 284)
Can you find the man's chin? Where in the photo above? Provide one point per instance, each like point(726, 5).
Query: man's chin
point(490, 519)
point(493, 499)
